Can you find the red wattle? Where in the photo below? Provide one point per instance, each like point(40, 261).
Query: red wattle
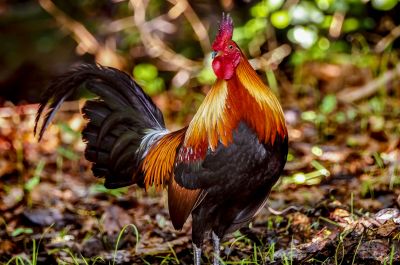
point(223, 69)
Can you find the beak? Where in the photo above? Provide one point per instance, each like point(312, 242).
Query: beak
point(214, 54)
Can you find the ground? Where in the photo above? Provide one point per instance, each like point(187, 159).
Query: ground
point(337, 203)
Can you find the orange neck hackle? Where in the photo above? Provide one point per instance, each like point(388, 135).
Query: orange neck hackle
point(244, 97)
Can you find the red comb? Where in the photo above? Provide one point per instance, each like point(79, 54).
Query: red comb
point(224, 33)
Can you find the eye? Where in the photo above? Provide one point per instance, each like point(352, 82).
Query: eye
point(230, 47)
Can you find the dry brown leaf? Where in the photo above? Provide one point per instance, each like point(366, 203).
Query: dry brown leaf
point(388, 228)
point(377, 250)
point(115, 218)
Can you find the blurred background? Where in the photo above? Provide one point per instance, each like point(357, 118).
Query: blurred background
point(333, 64)
point(320, 46)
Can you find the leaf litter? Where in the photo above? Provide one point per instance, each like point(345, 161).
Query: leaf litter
point(343, 193)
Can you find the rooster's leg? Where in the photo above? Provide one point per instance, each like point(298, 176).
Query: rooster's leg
point(216, 248)
point(196, 254)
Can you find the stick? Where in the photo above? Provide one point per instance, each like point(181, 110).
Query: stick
point(349, 95)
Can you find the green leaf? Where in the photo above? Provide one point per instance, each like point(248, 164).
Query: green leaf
point(328, 104)
point(21, 230)
point(31, 183)
point(254, 26)
point(309, 115)
point(99, 188)
point(67, 153)
point(154, 87)
point(274, 4)
point(384, 5)
point(206, 76)
point(324, 4)
point(64, 127)
point(304, 36)
point(35, 180)
point(350, 24)
point(280, 19)
point(145, 72)
point(340, 117)
point(259, 10)
point(324, 43)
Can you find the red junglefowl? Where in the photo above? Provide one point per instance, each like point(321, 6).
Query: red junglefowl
point(220, 168)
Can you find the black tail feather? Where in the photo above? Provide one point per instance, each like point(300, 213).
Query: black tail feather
point(96, 111)
point(118, 120)
point(115, 100)
point(126, 139)
point(90, 136)
point(115, 118)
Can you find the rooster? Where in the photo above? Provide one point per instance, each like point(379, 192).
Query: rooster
point(220, 168)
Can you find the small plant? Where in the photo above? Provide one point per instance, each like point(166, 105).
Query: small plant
point(120, 236)
point(35, 180)
point(99, 188)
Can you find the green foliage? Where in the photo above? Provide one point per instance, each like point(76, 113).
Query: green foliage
point(280, 19)
point(147, 75)
point(22, 259)
point(328, 104)
point(384, 5)
point(206, 76)
point(67, 153)
point(136, 232)
point(21, 230)
point(307, 22)
point(99, 188)
point(145, 72)
point(35, 180)
point(265, 7)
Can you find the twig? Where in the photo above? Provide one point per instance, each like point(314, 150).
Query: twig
point(86, 41)
point(284, 211)
point(154, 46)
point(195, 22)
point(273, 57)
point(349, 95)
point(104, 52)
point(337, 23)
point(120, 24)
point(387, 40)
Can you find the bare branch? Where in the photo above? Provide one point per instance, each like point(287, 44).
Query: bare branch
point(195, 22)
point(86, 41)
point(156, 47)
point(349, 95)
point(387, 40)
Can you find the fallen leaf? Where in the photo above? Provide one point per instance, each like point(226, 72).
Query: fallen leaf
point(386, 214)
point(388, 228)
point(6, 246)
point(115, 218)
point(376, 250)
point(44, 217)
point(13, 197)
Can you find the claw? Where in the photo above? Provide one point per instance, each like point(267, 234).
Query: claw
point(216, 247)
point(196, 254)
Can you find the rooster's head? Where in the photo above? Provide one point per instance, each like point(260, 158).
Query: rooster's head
point(226, 53)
